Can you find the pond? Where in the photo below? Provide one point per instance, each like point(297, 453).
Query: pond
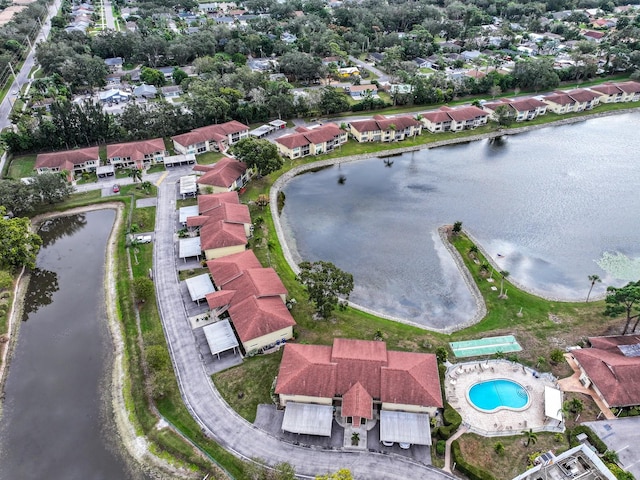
point(551, 206)
point(57, 417)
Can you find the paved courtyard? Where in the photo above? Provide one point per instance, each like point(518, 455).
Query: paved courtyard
point(462, 376)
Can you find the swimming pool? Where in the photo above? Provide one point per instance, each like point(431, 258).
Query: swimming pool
point(494, 395)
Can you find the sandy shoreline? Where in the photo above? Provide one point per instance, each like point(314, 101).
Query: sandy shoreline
point(136, 446)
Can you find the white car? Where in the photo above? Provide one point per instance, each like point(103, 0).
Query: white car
point(387, 444)
point(143, 239)
point(405, 446)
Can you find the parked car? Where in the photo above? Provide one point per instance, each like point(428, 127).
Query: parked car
point(405, 446)
point(143, 239)
point(116, 188)
point(387, 444)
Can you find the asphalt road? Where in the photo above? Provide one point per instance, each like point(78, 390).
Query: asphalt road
point(206, 405)
point(621, 435)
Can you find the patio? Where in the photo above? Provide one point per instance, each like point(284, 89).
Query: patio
point(462, 376)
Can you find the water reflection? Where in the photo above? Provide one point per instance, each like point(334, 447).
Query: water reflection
point(54, 228)
point(42, 285)
point(548, 201)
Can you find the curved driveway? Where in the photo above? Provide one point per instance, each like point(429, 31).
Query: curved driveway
point(206, 405)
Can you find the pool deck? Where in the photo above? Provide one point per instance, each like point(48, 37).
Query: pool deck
point(461, 377)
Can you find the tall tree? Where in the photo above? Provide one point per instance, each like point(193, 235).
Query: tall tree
point(262, 155)
point(624, 300)
point(51, 187)
point(326, 284)
point(18, 245)
point(593, 279)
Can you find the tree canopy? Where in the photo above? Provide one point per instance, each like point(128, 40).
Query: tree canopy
point(261, 155)
point(19, 246)
point(326, 284)
point(624, 300)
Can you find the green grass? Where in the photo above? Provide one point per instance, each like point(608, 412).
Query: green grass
point(156, 168)
point(186, 202)
point(20, 167)
point(144, 218)
point(194, 272)
point(248, 385)
point(208, 158)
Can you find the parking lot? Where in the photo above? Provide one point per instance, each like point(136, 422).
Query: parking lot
point(623, 437)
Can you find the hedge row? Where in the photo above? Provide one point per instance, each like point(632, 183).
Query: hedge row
point(452, 421)
point(471, 471)
point(593, 438)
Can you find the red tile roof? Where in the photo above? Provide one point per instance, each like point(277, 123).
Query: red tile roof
point(363, 88)
point(582, 95)
point(222, 234)
point(380, 122)
point(629, 87)
point(463, 114)
point(560, 99)
point(437, 116)
point(259, 282)
point(307, 136)
point(211, 132)
point(67, 159)
point(135, 150)
point(606, 89)
point(219, 298)
point(256, 317)
point(394, 377)
point(226, 212)
point(526, 104)
point(227, 268)
point(223, 173)
point(213, 200)
point(616, 376)
point(357, 403)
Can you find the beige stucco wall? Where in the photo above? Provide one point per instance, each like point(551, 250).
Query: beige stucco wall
point(179, 148)
point(223, 252)
point(304, 399)
point(260, 342)
point(409, 408)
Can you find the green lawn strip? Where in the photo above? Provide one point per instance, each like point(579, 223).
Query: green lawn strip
point(144, 218)
point(208, 158)
point(186, 202)
point(194, 272)
point(480, 452)
point(155, 168)
point(22, 166)
point(248, 385)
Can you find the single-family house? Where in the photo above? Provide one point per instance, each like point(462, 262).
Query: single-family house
point(611, 367)
point(114, 95)
point(362, 381)
point(593, 35)
point(376, 57)
point(140, 154)
point(114, 64)
point(210, 138)
point(311, 141)
point(71, 161)
point(145, 91)
point(358, 92)
point(225, 175)
point(385, 129)
point(171, 91)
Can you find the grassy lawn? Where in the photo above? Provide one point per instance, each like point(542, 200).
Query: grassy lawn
point(194, 272)
point(208, 158)
point(481, 452)
point(144, 218)
point(156, 168)
point(248, 385)
point(186, 202)
point(22, 166)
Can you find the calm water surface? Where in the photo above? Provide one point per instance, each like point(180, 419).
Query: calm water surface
point(551, 206)
point(56, 421)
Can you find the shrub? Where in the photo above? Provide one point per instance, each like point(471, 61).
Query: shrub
point(499, 448)
point(593, 438)
point(556, 356)
point(451, 420)
point(441, 446)
point(6, 280)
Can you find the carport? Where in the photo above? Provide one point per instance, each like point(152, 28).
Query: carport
point(308, 419)
point(199, 287)
point(186, 212)
point(189, 247)
point(220, 337)
point(188, 186)
point(174, 160)
point(105, 171)
point(405, 427)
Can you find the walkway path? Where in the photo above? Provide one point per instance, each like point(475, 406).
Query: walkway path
point(573, 384)
point(447, 453)
point(206, 405)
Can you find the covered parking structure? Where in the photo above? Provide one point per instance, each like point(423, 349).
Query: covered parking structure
point(104, 171)
point(189, 247)
point(199, 287)
point(176, 160)
point(188, 186)
point(220, 337)
point(186, 212)
point(405, 427)
point(308, 419)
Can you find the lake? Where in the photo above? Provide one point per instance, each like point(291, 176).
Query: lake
point(550, 206)
point(57, 417)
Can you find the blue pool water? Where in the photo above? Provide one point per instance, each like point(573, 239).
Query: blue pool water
point(495, 394)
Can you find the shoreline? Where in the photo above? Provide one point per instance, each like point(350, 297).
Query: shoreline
point(133, 447)
point(288, 254)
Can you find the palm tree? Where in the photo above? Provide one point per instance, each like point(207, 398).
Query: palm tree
point(532, 437)
point(593, 279)
point(503, 274)
point(135, 174)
